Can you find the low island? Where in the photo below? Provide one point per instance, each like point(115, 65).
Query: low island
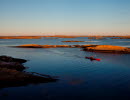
point(88, 47)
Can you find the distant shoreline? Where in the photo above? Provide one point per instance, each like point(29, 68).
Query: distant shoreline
point(62, 36)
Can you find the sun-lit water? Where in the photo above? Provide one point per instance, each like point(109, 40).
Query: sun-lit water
point(79, 78)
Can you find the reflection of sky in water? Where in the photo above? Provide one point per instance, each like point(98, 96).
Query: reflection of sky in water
point(79, 78)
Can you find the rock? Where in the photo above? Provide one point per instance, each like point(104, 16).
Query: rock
point(10, 59)
point(12, 65)
point(14, 78)
point(11, 73)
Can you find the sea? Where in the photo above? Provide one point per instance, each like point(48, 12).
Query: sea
point(78, 78)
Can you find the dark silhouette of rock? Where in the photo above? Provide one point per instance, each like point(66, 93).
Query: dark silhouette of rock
point(10, 59)
point(12, 63)
point(14, 78)
point(12, 74)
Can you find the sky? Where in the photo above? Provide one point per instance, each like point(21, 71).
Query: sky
point(64, 17)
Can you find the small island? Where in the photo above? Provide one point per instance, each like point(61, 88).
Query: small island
point(108, 49)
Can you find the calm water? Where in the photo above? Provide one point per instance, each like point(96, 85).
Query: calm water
point(79, 78)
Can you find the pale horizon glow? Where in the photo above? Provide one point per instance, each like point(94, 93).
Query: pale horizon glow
point(64, 17)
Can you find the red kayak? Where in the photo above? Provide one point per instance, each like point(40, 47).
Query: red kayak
point(91, 58)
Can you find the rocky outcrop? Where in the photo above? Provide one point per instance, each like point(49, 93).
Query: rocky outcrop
point(108, 49)
point(14, 78)
point(12, 63)
point(12, 74)
point(10, 59)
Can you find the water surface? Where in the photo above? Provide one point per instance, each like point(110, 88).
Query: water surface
point(79, 78)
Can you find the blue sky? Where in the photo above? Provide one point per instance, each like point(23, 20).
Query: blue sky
point(65, 17)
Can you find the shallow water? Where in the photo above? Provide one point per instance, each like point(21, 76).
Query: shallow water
point(79, 78)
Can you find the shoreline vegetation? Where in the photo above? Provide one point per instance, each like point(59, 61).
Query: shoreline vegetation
point(12, 73)
point(91, 48)
point(63, 36)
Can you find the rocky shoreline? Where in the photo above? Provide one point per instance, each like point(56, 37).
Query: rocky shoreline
point(12, 73)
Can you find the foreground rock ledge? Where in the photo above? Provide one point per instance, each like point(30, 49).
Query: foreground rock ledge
point(88, 47)
point(12, 63)
point(14, 78)
point(11, 73)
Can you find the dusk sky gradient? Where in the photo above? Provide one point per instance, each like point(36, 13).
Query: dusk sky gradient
point(65, 17)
